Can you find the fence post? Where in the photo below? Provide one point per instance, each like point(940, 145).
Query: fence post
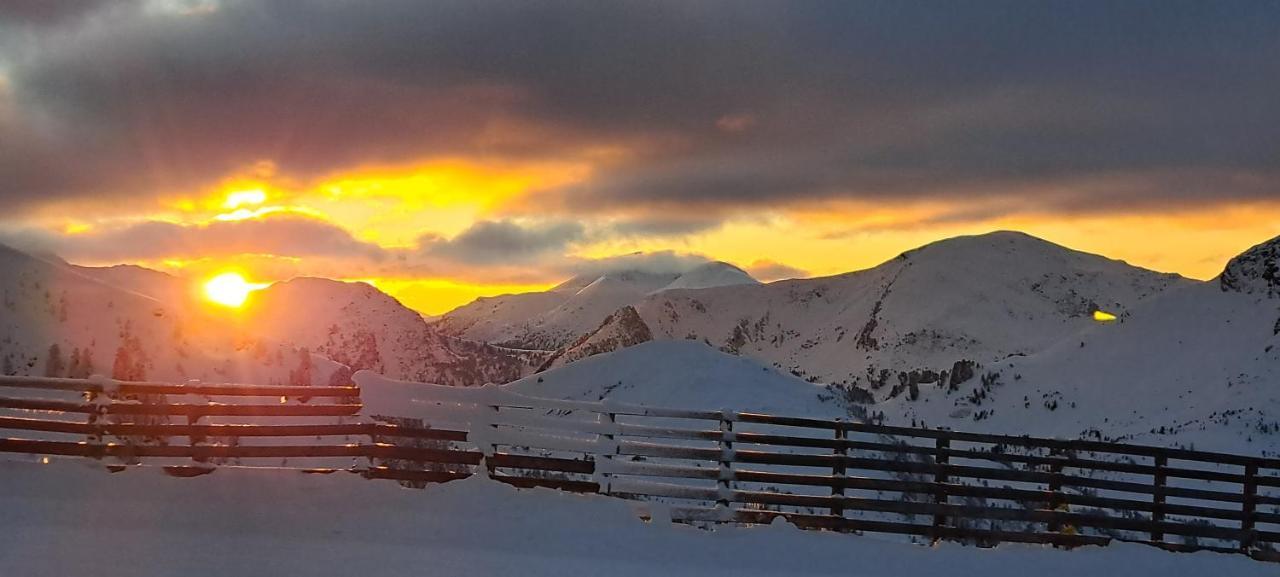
point(943, 444)
point(1250, 506)
point(612, 450)
point(1157, 497)
point(1056, 500)
point(493, 447)
point(838, 471)
point(725, 478)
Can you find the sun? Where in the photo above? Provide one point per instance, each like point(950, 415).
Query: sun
point(229, 289)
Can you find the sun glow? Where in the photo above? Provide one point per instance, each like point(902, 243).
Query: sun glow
point(240, 198)
point(229, 289)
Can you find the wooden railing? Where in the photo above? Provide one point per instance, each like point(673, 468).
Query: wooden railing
point(695, 466)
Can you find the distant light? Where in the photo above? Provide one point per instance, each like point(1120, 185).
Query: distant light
point(1103, 316)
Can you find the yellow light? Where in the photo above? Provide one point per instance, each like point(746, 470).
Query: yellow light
point(242, 197)
point(1103, 316)
point(229, 289)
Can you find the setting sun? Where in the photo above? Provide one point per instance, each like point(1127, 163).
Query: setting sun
point(228, 289)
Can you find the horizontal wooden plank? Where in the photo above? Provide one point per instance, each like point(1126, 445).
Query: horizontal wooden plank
point(406, 475)
point(238, 390)
point(153, 388)
point(668, 432)
point(559, 484)
point(633, 448)
point(542, 463)
point(96, 450)
point(221, 410)
point(801, 422)
point(230, 430)
point(48, 405)
point(621, 466)
point(46, 425)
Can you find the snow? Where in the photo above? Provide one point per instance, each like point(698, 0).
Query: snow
point(1198, 361)
point(555, 318)
point(712, 274)
point(67, 519)
point(685, 374)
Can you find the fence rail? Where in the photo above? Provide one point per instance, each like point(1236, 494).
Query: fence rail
point(697, 466)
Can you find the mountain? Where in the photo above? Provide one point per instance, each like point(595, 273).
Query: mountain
point(363, 328)
point(556, 318)
point(1196, 365)
point(680, 374)
point(135, 323)
point(979, 298)
point(624, 328)
point(63, 320)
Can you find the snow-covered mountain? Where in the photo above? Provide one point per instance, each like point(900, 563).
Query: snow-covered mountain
point(908, 321)
point(1194, 364)
point(557, 318)
point(135, 323)
point(62, 320)
point(363, 328)
point(1197, 365)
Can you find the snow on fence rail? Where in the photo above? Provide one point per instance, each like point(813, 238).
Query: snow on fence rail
point(694, 465)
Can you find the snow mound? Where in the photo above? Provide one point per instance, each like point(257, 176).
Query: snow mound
point(685, 374)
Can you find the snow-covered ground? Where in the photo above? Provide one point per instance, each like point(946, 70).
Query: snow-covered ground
point(68, 519)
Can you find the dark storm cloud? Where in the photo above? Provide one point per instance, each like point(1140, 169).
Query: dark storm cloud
point(504, 242)
point(281, 234)
point(724, 106)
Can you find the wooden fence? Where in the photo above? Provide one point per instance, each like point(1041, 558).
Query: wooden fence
point(695, 466)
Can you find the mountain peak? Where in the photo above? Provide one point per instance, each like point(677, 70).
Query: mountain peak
point(711, 274)
point(1254, 271)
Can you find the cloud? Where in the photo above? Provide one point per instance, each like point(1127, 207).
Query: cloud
point(718, 108)
point(505, 242)
point(658, 262)
point(277, 234)
point(768, 271)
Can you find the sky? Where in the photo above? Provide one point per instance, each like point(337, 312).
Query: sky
point(452, 149)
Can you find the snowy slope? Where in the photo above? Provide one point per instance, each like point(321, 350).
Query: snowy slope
point(684, 374)
point(1196, 366)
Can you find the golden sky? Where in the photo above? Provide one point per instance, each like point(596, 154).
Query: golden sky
point(444, 151)
point(393, 216)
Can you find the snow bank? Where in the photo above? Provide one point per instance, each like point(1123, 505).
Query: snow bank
point(63, 519)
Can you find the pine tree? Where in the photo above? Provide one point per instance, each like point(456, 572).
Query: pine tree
point(122, 368)
point(301, 377)
point(87, 363)
point(73, 368)
point(53, 365)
